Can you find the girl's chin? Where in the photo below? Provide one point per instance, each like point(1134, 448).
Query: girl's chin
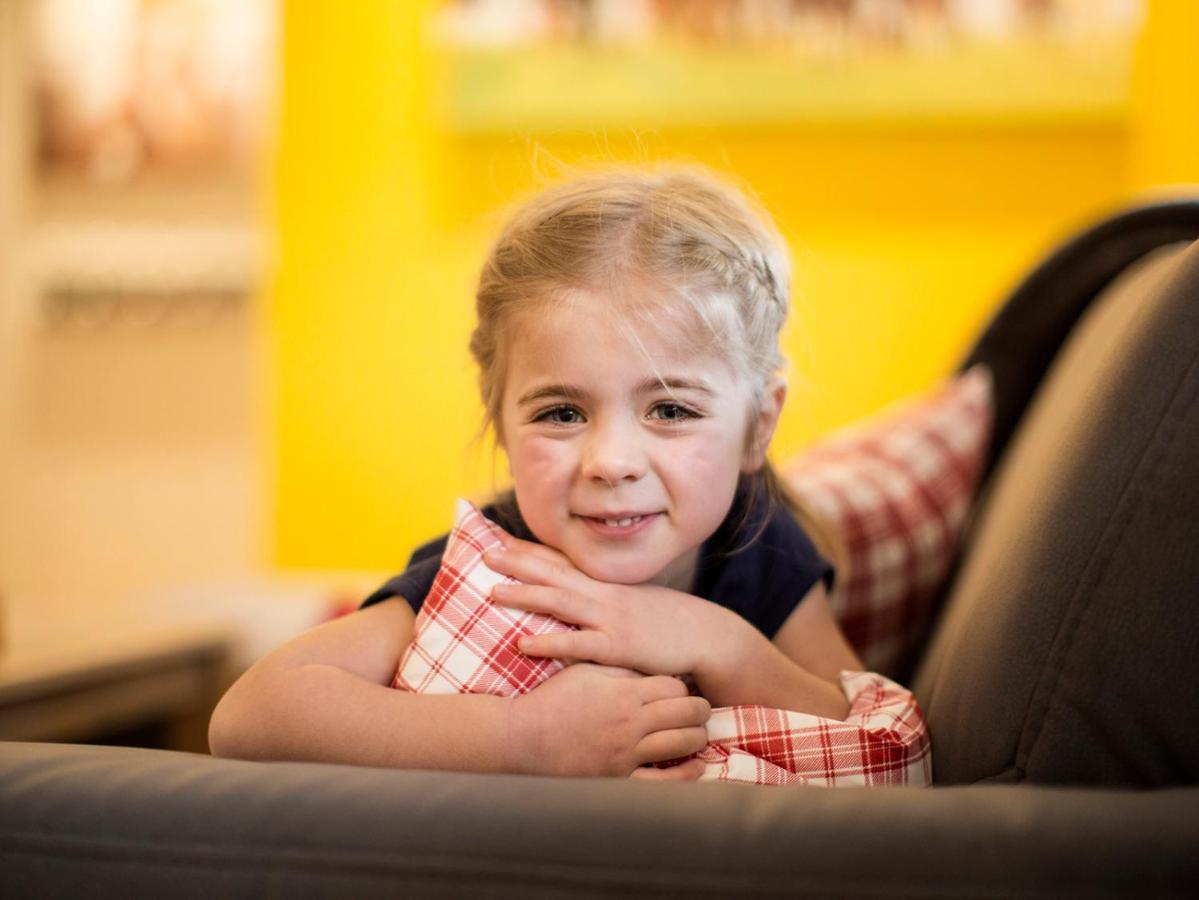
point(616, 571)
point(674, 574)
point(629, 567)
point(619, 573)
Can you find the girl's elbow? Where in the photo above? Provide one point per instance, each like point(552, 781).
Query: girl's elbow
point(222, 730)
point(841, 712)
point(231, 729)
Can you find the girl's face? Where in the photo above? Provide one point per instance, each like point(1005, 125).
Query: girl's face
point(625, 450)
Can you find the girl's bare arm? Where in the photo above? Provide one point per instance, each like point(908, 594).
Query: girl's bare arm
point(797, 670)
point(325, 696)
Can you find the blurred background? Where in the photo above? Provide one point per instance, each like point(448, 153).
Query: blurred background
point(238, 240)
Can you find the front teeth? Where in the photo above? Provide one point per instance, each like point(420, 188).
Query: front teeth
point(621, 523)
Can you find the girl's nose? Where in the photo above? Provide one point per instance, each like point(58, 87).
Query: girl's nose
point(613, 455)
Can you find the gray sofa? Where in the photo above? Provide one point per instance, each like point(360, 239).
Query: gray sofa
point(1059, 686)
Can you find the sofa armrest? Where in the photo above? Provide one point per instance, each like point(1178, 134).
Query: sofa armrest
point(113, 821)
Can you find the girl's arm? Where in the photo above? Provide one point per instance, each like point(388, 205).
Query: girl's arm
point(798, 670)
point(325, 696)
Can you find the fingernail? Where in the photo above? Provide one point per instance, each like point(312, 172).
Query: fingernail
point(500, 590)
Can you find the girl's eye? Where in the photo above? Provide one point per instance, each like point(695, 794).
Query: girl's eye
point(560, 415)
point(672, 412)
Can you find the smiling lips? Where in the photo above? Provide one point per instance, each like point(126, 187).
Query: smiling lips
point(623, 524)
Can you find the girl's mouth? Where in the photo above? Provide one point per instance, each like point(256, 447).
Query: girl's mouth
point(619, 526)
point(621, 523)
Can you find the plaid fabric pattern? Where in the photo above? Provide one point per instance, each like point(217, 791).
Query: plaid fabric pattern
point(882, 741)
point(463, 643)
point(896, 491)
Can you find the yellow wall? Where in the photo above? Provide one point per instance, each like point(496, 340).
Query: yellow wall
point(904, 238)
point(1165, 109)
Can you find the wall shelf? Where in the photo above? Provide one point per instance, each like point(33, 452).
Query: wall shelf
point(1029, 84)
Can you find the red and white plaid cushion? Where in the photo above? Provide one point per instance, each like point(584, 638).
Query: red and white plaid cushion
point(896, 491)
point(463, 643)
point(883, 740)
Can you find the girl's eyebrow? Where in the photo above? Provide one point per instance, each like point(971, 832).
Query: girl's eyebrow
point(649, 386)
point(556, 391)
point(673, 383)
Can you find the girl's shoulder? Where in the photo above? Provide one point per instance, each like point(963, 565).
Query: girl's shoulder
point(761, 563)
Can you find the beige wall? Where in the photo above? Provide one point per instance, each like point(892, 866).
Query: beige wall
point(126, 451)
point(128, 460)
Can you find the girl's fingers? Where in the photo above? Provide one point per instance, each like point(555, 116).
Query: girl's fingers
point(540, 550)
point(566, 606)
point(533, 568)
point(673, 744)
point(691, 770)
point(661, 687)
point(677, 712)
point(564, 645)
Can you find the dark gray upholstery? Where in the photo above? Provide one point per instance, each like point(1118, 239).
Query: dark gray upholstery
point(1023, 339)
point(1059, 688)
point(115, 822)
point(1070, 648)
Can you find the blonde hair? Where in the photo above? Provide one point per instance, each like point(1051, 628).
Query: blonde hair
point(680, 231)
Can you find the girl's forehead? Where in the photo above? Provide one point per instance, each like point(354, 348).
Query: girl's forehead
point(572, 342)
point(637, 313)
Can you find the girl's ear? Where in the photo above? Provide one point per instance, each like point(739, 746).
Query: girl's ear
point(764, 423)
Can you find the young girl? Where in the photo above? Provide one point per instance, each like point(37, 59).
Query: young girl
point(627, 341)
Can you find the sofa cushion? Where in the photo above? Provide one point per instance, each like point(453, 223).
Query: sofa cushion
point(1070, 644)
point(115, 822)
point(895, 491)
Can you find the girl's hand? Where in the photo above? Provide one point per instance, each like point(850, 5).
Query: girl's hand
point(643, 627)
point(663, 632)
point(598, 720)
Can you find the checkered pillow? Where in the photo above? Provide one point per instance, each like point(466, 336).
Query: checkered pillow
point(896, 492)
point(882, 741)
point(463, 643)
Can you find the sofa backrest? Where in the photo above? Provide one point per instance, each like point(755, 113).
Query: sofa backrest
point(1023, 339)
point(1068, 649)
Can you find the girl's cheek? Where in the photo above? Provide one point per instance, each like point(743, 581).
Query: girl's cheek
point(706, 458)
point(537, 453)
